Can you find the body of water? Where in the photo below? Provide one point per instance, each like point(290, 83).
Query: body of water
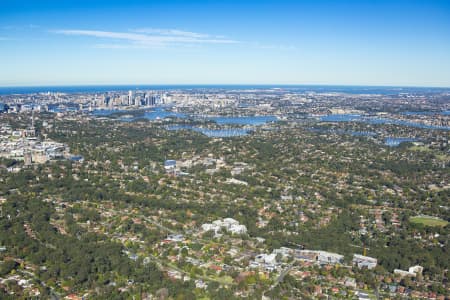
point(59, 109)
point(395, 141)
point(382, 90)
point(375, 121)
point(155, 114)
point(341, 118)
point(426, 113)
point(161, 113)
point(77, 158)
point(244, 120)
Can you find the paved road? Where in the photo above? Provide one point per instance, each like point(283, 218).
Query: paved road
point(159, 225)
point(282, 275)
point(278, 280)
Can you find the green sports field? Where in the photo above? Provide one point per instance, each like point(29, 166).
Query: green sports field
point(428, 221)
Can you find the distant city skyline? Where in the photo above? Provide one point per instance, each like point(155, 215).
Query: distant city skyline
point(373, 43)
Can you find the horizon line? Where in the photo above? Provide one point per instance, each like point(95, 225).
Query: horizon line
point(223, 84)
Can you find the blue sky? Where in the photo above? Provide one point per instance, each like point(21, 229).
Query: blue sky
point(225, 42)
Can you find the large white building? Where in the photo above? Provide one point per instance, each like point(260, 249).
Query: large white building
point(228, 224)
point(412, 271)
point(364, 261)
point(322, 257)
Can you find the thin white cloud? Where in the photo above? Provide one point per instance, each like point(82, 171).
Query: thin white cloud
point(148, 38)
point(174, 32)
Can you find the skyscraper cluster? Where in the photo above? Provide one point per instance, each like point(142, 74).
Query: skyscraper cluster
point(135, 99)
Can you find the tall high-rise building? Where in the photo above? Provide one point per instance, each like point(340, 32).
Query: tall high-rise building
point(130, 98)
point(137, 101)
point(152, 100)
point(104, 100)
point(124, 100)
